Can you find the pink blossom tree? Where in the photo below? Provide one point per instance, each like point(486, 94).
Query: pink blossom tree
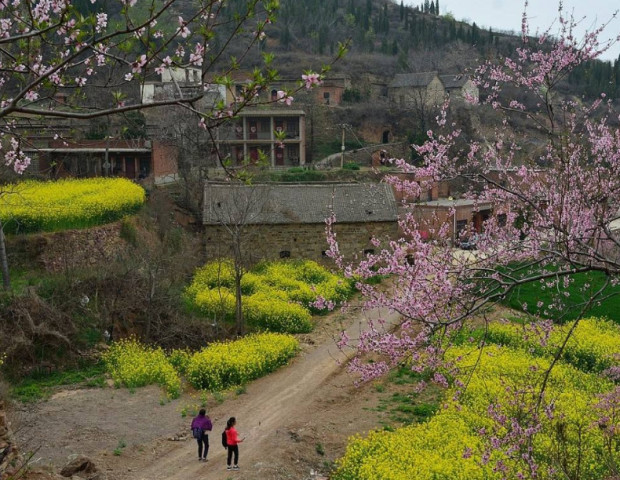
point(554, 208)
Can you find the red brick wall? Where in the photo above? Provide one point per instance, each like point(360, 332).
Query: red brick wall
point(164, 159)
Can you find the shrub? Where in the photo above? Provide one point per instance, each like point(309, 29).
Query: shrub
point(132, 364)
point(350, 166)
point(179, 359)
point(264, 312)
point(277, 296)
point(32, 206)
point(222, 365)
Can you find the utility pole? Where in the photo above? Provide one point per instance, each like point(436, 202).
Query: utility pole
point(342, 147)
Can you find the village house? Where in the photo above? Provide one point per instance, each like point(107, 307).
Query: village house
point(177, 83)
point(462, 216)
point(288, 220)
point(331, 90)
point(416, 89)
point(136, 159)
point(430, 89)
point(278, 134)
point(459, 87)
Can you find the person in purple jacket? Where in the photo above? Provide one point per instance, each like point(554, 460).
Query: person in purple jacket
point(201, 425)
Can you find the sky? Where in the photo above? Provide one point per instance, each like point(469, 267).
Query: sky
point(507, 14)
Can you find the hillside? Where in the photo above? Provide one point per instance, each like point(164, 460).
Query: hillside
point(389, 38)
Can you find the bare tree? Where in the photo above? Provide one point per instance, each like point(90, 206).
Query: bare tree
point(236, 207)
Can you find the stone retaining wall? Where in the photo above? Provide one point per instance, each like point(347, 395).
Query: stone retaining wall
point(66, 250)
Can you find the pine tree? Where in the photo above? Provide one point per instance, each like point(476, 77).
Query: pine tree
point(432, 8)
point(427, 6)
point(402, 10)
point(437, 7)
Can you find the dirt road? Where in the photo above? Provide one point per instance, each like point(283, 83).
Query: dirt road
point(267, 416)
point(295, 421)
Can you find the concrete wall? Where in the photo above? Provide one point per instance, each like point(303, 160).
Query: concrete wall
point(301, 240)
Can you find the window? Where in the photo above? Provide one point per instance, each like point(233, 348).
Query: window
point(326, 97)
point(502, 220)
point(285, 254)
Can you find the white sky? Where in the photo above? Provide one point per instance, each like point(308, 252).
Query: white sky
point(507, 14)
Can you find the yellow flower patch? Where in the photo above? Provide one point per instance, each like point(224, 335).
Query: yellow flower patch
point(32, 206)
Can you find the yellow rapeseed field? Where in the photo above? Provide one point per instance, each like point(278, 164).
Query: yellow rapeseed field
point(32, 206)
point(451, 445)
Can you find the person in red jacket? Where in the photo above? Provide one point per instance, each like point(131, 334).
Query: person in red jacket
point(233, 441)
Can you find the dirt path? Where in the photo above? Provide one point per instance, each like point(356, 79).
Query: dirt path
point(295, 421)
point(267, 415)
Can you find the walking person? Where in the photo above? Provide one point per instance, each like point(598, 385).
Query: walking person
point(201, 426)
point(232, 443)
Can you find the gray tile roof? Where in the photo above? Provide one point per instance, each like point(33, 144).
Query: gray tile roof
point(412, 79)
point(453, 80)
point(295, 204)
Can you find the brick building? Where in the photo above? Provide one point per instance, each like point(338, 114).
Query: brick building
point(255, 132)
point(134, 159)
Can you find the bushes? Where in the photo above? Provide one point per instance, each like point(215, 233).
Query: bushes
point(218, 366)
point(72, 203)
point(450, 445)
point(298, 174)
point(277, 296)
point(222, 365)
point(133, 364)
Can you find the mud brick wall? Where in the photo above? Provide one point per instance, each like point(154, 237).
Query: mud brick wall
point(69, 249)
point(300, 240)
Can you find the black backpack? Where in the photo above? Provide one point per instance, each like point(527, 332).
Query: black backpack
point(197, 432)
point(224, 440)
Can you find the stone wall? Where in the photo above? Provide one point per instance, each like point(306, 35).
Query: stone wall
point(299, 240)
point(66, 250)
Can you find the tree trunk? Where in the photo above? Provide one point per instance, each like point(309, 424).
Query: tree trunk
point(238, 306)
point(238, 300)
point(4, 262)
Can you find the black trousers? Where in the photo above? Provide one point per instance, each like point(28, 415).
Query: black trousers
point(233, 449)
point(204, 440)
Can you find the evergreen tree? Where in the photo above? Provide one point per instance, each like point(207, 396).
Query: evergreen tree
point(437, 7)
point(475, 35)
point(432, 8)
point(386, 19)
point(402, 10)
point(427, 6)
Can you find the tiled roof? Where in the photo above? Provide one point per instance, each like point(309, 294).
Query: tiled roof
point(453, 80)
point(294, 203)
point(412, 79)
